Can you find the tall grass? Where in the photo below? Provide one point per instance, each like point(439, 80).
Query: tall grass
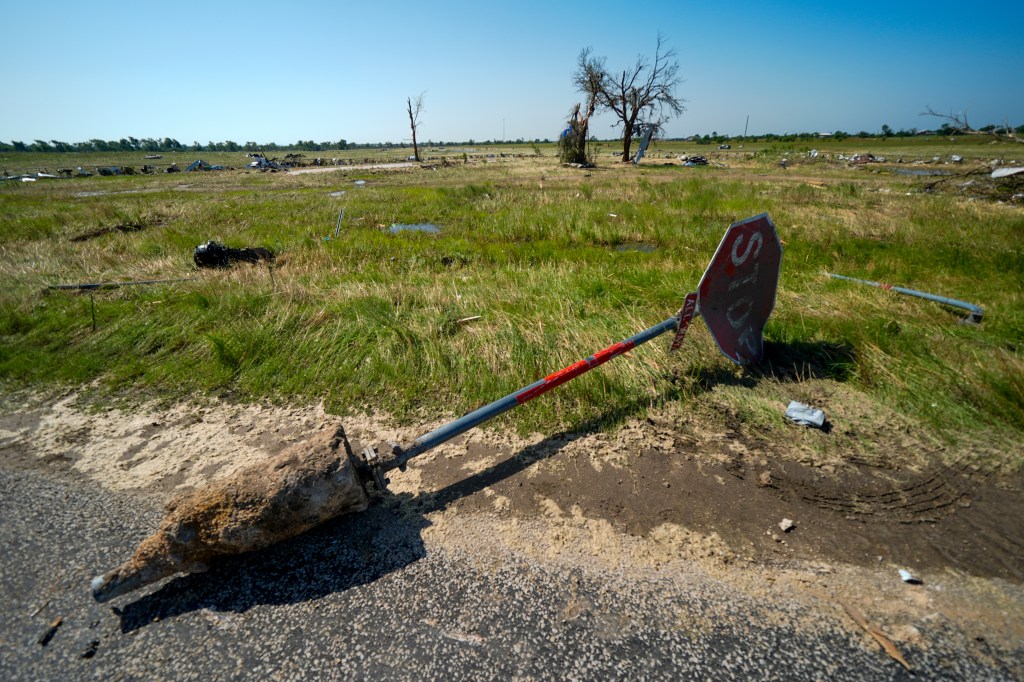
point(375, 319)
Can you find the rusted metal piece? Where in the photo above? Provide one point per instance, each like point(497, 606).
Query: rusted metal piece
point(685, 316)
point(305, 485)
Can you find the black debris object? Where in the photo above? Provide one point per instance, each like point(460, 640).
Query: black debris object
point(50, 631)
point(213, 254)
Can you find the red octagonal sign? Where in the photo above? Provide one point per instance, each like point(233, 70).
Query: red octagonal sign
point(737, 292)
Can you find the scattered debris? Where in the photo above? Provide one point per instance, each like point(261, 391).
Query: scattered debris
point(805, 415)
point(199, 164)
point(153, 156)
point(213, 254)
point(786, 525)
point(263, 164)
point(695, 160)
point(303, 486)
point(50, 631)
point(359, 183)
point(874, 631)
point(39, 175)
point(1006, 172)
point(90, 650)
point(648, 130)
point(908, 577)
point(339, 193)
point(975, 312)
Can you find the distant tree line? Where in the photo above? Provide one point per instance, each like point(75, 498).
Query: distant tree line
point(945, 129)
point(168, 144)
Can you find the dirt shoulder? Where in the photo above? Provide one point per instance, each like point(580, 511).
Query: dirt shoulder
point(647, 499)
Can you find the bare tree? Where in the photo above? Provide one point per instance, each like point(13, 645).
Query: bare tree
point(637, 95)
point(415, 108)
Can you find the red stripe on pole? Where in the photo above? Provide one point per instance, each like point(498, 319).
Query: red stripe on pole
point(574, 370)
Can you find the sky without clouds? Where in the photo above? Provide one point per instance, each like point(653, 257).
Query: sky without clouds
point(324, 71)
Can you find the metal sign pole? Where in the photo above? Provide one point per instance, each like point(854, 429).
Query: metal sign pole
point(976, 311)
point(514, 399)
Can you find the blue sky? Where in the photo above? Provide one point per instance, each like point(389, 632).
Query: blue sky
point(296, 69)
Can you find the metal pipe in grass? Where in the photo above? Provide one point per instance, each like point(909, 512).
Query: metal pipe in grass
point(975, 312)
point(114, 285)
point(337, 228)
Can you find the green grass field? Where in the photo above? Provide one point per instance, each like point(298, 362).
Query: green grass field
point(557, 263)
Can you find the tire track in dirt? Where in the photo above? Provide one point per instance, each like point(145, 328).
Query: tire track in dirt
point(935, 495)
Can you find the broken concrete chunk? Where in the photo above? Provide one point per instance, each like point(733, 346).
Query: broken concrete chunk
point(302, 487)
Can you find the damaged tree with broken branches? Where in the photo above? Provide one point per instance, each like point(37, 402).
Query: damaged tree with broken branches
point(572, 145)
point(956, 124)
point(641, 94)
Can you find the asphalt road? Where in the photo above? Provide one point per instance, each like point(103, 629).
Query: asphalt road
point(363, 598)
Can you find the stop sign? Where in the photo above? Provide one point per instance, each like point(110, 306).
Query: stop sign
point(737, 292)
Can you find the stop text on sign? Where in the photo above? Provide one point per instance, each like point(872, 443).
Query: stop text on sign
point(737, 292)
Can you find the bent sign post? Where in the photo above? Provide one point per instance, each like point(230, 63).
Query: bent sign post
point(735, 297)
point(737, 292)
